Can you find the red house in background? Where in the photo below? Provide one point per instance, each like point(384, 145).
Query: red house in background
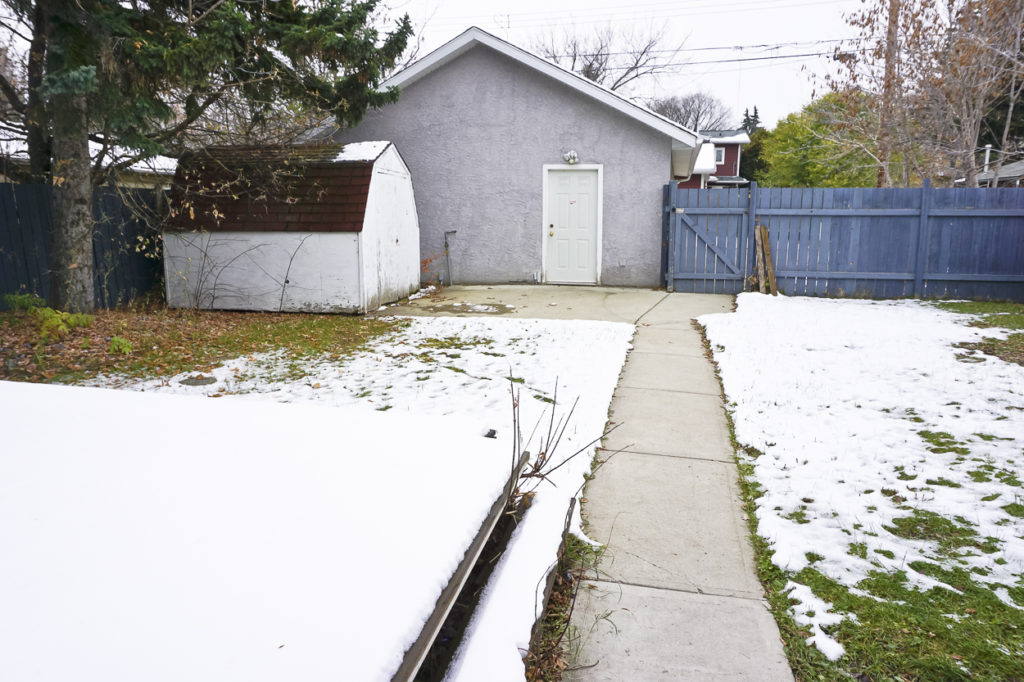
point(718, 161)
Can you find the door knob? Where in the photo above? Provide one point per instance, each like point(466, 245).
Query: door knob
point(551, 234)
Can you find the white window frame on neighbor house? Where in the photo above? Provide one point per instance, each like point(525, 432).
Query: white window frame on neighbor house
point(719, 156)
point(599, 167)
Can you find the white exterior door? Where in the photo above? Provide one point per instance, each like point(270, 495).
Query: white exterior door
point(572, 226)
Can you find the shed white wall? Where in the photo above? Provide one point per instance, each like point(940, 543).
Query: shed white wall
point(390, 240)
point(476, 135)
point(287, 271)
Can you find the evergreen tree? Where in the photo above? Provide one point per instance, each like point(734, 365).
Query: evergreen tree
point(138, 77)
point(752, 166)
point(751, 122)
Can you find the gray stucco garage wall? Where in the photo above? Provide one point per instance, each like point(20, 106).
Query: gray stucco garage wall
point(476, 134)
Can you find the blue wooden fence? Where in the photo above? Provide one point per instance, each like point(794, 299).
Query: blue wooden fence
point(879, 243)
point(121, 270)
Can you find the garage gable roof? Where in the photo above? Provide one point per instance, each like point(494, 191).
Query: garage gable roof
point(475, 36)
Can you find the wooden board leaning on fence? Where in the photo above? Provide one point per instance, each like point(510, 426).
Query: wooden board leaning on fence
point(765, 276)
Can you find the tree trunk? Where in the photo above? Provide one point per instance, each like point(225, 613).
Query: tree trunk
point(1005, 139)
point(38, 144)
point(888, 94)
point(71, 283)
point(970, 168)
point(1013, 65)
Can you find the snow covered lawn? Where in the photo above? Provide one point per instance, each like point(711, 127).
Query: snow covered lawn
point(889, 466)
point(442, 368)
point(150, 537)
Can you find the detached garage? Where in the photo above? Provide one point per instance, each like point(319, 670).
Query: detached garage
point(527, 172)
point(310, 228)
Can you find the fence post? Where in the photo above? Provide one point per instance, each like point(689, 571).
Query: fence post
point(749, 241)
point(921, 258)
point(669, 231)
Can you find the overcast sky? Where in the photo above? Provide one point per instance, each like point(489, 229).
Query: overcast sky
point(744, 29)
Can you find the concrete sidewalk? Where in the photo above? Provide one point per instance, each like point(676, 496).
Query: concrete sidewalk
point(675, 595)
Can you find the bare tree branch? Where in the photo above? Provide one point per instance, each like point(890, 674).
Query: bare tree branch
point(193, 21)
point(12, 95)
point(937, 82)
point(696, 111)
point(611, 57)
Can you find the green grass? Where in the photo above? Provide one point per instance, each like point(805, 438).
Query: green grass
point(798, 515)
point(979, 476)
point(951, 535)
point(554, 642)
point(900, 633)
point(942, 442)
point(914, 634)
point(897, 631)
point(455, 342)
point(943, 482)
point(858, 549)
point(305, 335)
point(162, 342)
point(902, 475)
point(1001, 315)
point(1014, 509)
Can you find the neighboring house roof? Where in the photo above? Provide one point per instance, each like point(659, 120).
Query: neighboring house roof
point(1010, 171)
point(299, 188)
point(737, 136)
point(727, 180)
point(16, 152)
point(475, 36)
point(705, 159)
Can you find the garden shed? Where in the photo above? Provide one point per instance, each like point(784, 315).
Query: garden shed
point(311, 228)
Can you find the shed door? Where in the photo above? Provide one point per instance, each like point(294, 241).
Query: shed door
point(571, 230)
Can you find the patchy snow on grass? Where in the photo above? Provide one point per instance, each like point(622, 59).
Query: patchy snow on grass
point(160, 537)
point(815, 613)
point(461, 366)
point(884, 446)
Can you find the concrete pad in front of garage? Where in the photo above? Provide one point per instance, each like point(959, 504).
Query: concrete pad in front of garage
point(677, 310)
point(627, 632)
point(669, 372)
point(541, 301)
point(671, 522)
point(669, 423)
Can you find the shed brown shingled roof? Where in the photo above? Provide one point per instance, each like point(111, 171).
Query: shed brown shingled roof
point(298, 188)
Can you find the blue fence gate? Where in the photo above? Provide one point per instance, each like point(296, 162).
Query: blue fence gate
point(879, 243)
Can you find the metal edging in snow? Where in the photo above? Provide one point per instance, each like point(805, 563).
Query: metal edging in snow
point(417, 653)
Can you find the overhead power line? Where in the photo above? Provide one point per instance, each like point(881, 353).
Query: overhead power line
point(764, 47)
point(731, 61)
point(636, 13)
